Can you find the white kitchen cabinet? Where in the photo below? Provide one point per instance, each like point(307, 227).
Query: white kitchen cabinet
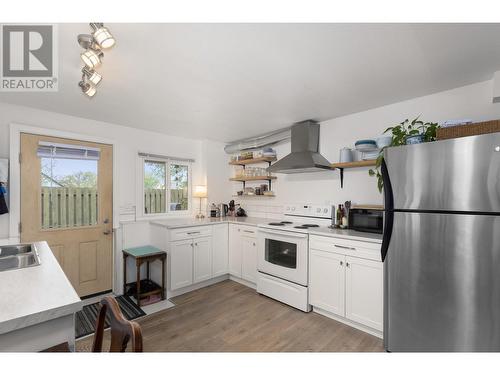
point(243, 252)
point(181, 258)
point(235, 250)
point(220, 250)
point(249, 258)
point(327, 281)
point(202, 259)
point(364, 292)
point(347, 286)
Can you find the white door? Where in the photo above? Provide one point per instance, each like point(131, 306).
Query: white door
point(327, 281)
point(220, 250)
point(181, 260)
point(235, 250)
point(202, 259)
point(364, 292)
point(249, 258)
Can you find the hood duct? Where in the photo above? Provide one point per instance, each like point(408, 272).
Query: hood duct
point(305, 156)
point(255, 143)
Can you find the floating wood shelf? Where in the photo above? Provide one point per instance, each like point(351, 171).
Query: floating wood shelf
point(355, 164)
point(253, 161)
point(352, 164)
point(254, 196)
point(253, 178)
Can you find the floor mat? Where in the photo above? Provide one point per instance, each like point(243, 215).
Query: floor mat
point(85, 320)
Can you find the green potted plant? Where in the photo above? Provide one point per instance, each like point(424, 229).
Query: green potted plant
point(405, 133)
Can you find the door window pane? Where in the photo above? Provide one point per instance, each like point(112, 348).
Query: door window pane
point(155, 187)
point(178, 187)
point(69, 195)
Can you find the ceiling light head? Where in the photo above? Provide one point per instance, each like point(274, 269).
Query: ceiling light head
point(91, 76)
point(92, 58)
point(102, 36)
point(86, 41)
point(87, 88)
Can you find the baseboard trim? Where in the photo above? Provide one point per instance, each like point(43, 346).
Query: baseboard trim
point(348, 322)
point(243, 282)
point(190, 288)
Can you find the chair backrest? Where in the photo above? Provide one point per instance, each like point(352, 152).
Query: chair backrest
point(122, 330)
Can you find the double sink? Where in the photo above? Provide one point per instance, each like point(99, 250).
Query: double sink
point(18, 256)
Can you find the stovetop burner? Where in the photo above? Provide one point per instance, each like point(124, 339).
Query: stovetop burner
point(301, 227)
point(281, 223)
point(310, 225)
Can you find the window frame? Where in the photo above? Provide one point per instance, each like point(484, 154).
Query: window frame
point(168, 212)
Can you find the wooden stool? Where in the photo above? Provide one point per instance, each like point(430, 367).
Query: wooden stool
point(146, 287)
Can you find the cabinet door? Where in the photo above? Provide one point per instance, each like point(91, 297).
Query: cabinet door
point(202, 264)
point(181, 264)
point(220, 250)
point(364, 292)
point(235, 250)
point(327, 281)
point(249, 259)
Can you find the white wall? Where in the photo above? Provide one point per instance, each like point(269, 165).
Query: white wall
point(209, 157)
point(473, 101)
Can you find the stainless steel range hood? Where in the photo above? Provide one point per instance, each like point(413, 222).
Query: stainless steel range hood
point(305, 156)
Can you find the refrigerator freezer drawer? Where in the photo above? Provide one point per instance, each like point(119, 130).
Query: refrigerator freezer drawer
point(442, 283)
point(461, 174)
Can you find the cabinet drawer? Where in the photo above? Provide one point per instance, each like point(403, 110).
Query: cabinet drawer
point(246, 230)
point(361, 249)
point(190, 232)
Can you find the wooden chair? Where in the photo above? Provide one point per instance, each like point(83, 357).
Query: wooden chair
point(122, 330)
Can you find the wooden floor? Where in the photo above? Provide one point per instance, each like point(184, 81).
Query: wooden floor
point(229, 317)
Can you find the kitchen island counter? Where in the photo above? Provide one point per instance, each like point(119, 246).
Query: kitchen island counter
point(33, 296)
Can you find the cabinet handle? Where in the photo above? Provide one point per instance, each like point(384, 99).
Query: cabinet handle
point(193, 232)
point(345, 247)
point(254, 243)
point(192, 244)
point(249, 231)
point(196, 244)
point(347, 264)
point(341, 263)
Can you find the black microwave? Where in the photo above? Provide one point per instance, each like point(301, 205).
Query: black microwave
point(367, 219)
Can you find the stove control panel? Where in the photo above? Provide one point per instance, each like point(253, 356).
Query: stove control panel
point(308, 210)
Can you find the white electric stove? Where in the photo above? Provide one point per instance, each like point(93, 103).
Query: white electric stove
point(283, 253)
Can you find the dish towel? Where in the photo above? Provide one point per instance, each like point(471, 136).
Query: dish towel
point(3, 204)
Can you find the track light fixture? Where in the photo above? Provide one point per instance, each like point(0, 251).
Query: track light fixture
point(92, 76)
point(102, 36)
point(92, 56)
point(87, 88)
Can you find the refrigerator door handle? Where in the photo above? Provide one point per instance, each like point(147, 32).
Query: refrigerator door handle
point(389, 210)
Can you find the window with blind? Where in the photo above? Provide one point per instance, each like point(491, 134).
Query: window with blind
point(68, 181)
point(166, 185)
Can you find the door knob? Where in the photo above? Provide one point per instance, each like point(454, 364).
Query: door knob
point(106, 232)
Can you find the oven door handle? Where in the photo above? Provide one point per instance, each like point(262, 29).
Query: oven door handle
point(283, 233)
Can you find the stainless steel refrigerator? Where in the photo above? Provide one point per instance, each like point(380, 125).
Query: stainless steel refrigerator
point(441, 246)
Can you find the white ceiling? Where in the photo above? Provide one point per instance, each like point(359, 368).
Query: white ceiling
point(230, 81)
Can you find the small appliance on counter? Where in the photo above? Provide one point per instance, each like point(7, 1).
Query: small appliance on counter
point(214, 211)
point(369, 218)
point(223, 209)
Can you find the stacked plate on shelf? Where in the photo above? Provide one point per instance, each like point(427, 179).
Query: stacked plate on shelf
point(368, 149)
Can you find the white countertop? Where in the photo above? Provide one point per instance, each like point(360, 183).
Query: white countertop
point(191, 222)
point(36, 294)
point(321, 231)
point(346, 234)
